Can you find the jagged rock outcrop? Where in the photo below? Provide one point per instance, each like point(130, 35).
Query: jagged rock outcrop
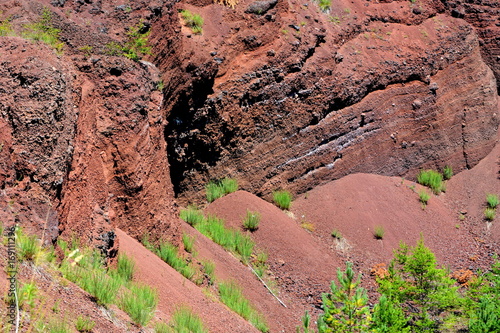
point(296, 98)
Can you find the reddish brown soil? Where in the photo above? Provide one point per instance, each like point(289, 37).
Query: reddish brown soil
point(175, 290)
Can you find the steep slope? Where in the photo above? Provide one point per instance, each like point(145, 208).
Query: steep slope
point(174, 290)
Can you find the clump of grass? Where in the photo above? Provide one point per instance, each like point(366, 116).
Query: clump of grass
point(282, 199)
point(103, 287)
point(44, 30)
point(218, 189)
point(492, 200)
point(188, 242)
point(447, 172)
point(232, 240)
point(84, 324)
point(193, 21)
point(162, 328)
point(379, 232)
point(184, 320)
point(251, 221)
point(27, 245)
point(209, 269)
point(336, 234)
point(125, 267)
point(324, 5)
point(432, 179)
point(489, 214)
point(192, 215)
point(139, 303)
point(423, 197)
point(232, 296)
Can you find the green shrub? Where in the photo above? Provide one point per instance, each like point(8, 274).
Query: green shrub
point(251, 221)
point(136, 46)
point(188, 242)
point(282, 199)
point(192, 215)
point(184, 321)
point(388, 317)
point(489, 214)
point(346, 307)
point(44, 30)
point(432, 179)
point(84, 324)
point(139, 303)
point(218, 189)
point(379, 232)
point(194, 21)
point(336, 234)
point(447, 172)
point(492, 200)
point(423, 197)
point(244, 246)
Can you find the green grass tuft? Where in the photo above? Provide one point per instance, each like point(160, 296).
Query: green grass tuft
point(218, 189)
point(192, 215)
point(232, 296)
point(84, 324)
point(125, 267)
point(432, 179)
point(184, 320)
point(103, 287)
point(489, 214)
point(282, 199)
point(324, 5)
point(139, 303)
point(188, 242)
point(379, 232)
point(424, 197)
point(193, 21)
point(447, 172)
point(251, 221)
point(27, 245)
point(44, 30)
point(492, 200)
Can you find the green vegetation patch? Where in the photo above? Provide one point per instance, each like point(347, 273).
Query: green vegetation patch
point(44, 30)
point(432, 179)
point(193, 21)
point(218, 189)
point(231, 295)
point(282, 199)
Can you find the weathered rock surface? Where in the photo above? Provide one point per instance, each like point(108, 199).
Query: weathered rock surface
point(83, 149)
point(324, 95)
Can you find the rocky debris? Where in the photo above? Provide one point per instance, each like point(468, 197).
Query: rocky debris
point(260, 7)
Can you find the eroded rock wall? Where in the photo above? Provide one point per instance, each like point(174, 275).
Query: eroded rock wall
point(83, 148)
point(293, 97)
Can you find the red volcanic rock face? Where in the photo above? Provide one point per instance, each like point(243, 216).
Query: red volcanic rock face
point(295, 98)
point(83, 149)
point(275, 93)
